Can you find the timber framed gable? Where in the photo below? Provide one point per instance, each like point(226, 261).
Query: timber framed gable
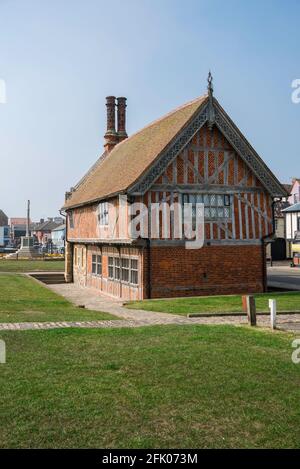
point(238, 208)
point(210, 113)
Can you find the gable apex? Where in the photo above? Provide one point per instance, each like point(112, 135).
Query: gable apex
point(213, 114)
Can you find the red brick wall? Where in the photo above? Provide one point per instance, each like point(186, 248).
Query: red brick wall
point(212, 270)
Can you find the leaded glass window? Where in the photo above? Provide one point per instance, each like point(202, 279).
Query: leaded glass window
point(216, 206)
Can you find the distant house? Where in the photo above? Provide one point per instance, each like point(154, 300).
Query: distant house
point(17, 229)
point(4, 236)
point(17, 221)
point(58, 236)
point(294, 192)
point(279, 249)
point(43, 229)
point(292, 221)
point(4, 229)
point(287, 218)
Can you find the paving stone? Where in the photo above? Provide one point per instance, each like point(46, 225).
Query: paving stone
point(92, 299)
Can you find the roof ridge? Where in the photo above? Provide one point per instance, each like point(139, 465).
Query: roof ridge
point(128, 160)
point(85, 178)
point(156, 121)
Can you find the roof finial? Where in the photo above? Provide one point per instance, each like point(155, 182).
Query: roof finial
point(210, 109)
point(210, 85)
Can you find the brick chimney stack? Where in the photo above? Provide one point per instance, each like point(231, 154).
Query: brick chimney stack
point(110, 137)
point(122, 134)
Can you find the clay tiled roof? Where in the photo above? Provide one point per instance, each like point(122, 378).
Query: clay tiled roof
point(128, 161)
point(47, 225)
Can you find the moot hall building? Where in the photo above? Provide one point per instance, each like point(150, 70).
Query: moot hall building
point(193, 154)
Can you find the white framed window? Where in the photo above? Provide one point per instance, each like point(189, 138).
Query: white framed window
point(125, 269)
point(111, 268)
point(99, 264)
point(96, 264)
point(117, 268)
point(103, 213)
point(134, 271)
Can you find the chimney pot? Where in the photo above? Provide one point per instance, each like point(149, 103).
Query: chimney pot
point(121, 104)
point(110, 136)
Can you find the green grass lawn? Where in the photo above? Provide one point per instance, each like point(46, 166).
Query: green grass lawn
point(217, 304)
point(23, 299)
point(9, 265)
point(153, 387)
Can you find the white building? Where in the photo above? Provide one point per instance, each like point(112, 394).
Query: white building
point(58, 236)
point(292, 223)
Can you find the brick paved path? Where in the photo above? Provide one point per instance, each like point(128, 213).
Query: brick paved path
point(108, 323)
point(285, 322)
point(135, 318)
point(92, 299)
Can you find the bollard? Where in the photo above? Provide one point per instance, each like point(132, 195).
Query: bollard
point(2, 351)
point(244, 303)
point(251, 310)
point(273, 310)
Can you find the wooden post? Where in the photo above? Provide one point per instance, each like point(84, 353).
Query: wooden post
point(273, 311)
point(244, 303)
point(69, 262)
point(251, 310)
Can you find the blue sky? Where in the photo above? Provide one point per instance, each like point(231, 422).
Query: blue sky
point(59, 60)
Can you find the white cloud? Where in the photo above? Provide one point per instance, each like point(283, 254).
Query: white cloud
point(2, 92)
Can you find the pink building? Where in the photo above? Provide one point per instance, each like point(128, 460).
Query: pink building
point(295, 192)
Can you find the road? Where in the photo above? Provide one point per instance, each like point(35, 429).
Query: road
point(284, 277)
